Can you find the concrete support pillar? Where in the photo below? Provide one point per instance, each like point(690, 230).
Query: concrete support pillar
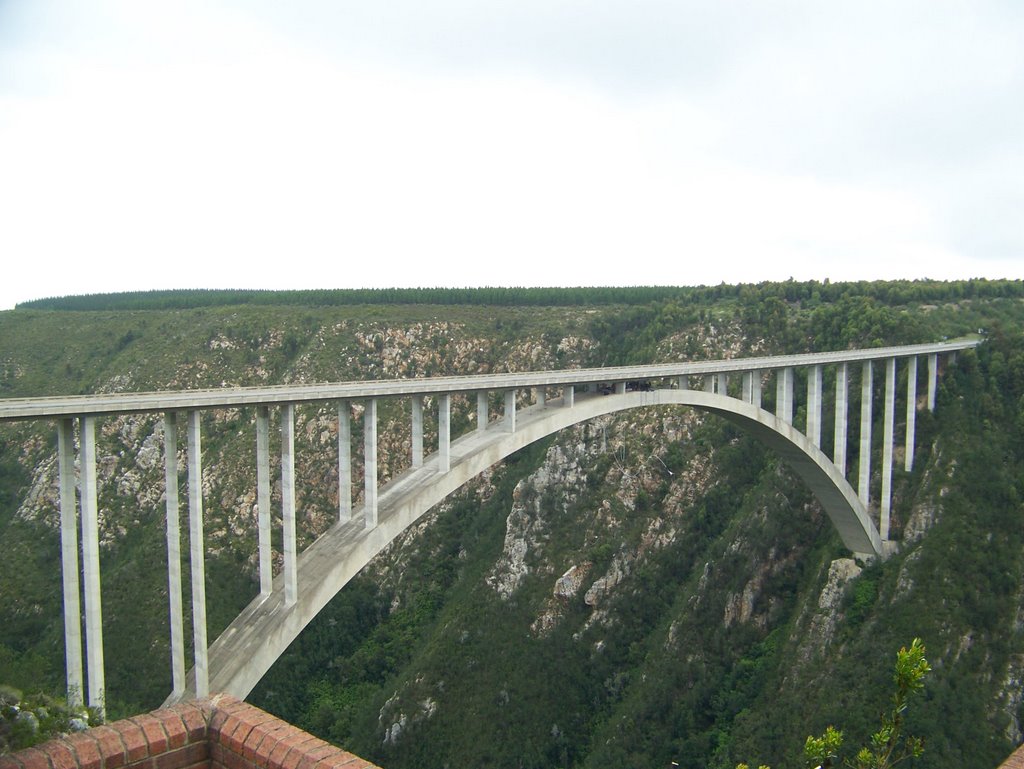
point(748, 386)
point(784, 395)
point(69, 561)
point(291, 585)
point(864, 484)
point(683, 382)
point(887, 441)
point(263, 498)
point(568, 395)
point(345, 461)
point(91, 563)
point(177, 620)
point(540, 395)
point(722, 386)
point(510, 411)
point(417, 431)
point(482, 416)
point(197, 554)
point(933, 378)
point(370, 464)
point(908, 460)
point(709, 383)
point(841, 417)
point(814, 405)
point(620, 388)
point(755, 388)
point(444, 432)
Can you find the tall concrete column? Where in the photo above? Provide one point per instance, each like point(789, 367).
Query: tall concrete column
point(568, 395)
point(345, 461)
point(91, 563)
point(177, 620)
point(908, 460)
point(933, 378)
point(417, 431)
point(370, 464)
point(864, 484)
point(291, 585)
point(620, 388)
point(814, 405)
point(69, 561)
point(709, 383)
point(748, 386)
point(540, 395)
point(197, 554)
point(887, 441)
point(755, 388)
point(482, 416)
point(841, 417)
point(444, 432)
point(784, 395)
point(722, 385)
point(263, 498)
point(683, 382)
point(510, 411)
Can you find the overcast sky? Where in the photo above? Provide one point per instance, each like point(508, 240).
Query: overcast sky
point(319, 143)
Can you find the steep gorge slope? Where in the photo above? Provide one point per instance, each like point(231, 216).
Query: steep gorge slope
point(649, 588)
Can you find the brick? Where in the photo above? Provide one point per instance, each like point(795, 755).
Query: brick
point(276, 755)
point(156, 737)
point(310, 758)
point(86, 750)
point(13, 760)
point(195, 722)
point(135, 745)
point(299, 749)
point(61, 756)
point(177, 734)
point(237, 735)
point(111, 747)
point(255, 739)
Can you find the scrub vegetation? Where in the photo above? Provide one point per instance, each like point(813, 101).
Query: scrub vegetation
point(651, 588)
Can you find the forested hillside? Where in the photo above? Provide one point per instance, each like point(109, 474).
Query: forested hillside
point(636, 590)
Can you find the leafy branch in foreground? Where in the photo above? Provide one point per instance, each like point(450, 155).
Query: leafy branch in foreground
point(889, 746)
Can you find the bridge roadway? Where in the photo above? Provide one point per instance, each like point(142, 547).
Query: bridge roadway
point(229, 397)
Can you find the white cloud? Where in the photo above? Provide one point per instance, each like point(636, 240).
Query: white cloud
point(210, 146)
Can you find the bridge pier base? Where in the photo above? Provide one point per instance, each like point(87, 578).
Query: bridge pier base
point(814, 405)
point(291, 587)
point(370, 464)
point(444, 432)
point(510, 411)
point(69, 561)
point(481, 410)
point(908, 461)
point(345, 461)
point(177, 619)
point(864, 466)
point(262, 497)
point(417, 431)
point(196, 554)
point(887, 443)
point(841, 417)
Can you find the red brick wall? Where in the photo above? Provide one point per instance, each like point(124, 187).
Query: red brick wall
point(218, 733)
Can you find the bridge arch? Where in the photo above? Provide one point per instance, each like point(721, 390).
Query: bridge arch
point(247, 648)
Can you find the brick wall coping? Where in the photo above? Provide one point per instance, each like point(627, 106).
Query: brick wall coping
point(220, 732)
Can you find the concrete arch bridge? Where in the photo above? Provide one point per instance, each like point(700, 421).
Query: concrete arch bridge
point(236, 661)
